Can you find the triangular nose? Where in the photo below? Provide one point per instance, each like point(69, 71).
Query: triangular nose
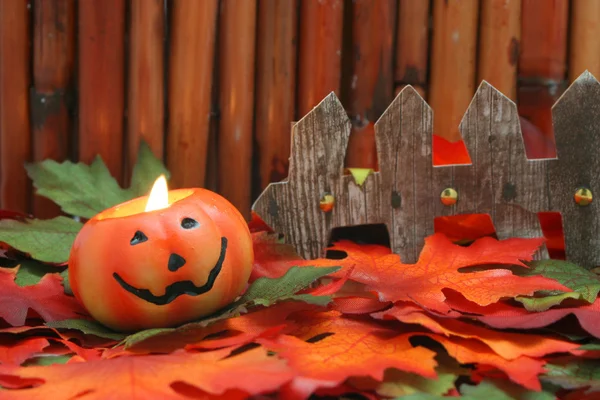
point(175, 262)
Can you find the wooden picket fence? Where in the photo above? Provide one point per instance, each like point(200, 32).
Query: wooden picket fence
point(407, 192)
point(213, 85)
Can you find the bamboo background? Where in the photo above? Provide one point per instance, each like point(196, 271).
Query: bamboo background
point(213, 85)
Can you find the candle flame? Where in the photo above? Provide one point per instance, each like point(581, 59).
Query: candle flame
point(159, 195)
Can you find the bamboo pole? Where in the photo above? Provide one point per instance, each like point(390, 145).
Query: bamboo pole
point(544, 40)
point(236, 85)
point(53, 73)
point(276, 55)
point(146, 80)
point(412, 45)
point(452, 63)
point(372, 76)
point(585, 33)
point(191, 61)
point(500, 34)
point(15, 138)
point(542, 71)
point(319, 71)
point(101, 45)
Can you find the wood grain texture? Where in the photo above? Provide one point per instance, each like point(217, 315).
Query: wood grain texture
point(584, 51)
point(452, 63)
point(15, 136)
point(320, 53)
point(372, 81)
point(276, 55)
point(146, 117)
point(52, 92)
point(412, 42)
point(236, 86)
point(576, 116)
point(191, 60)
point(499, 42)
point(544, 39)
point(101, 59)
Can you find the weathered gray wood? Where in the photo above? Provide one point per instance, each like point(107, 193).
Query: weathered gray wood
point(404, 149)
point(501, 181)
point(576, 119)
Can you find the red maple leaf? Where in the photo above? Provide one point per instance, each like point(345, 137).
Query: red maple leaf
point(17, 352)
point(46, 298)
point(506, 344)
point(149, 377)
point(503, 316)
point(439, 267)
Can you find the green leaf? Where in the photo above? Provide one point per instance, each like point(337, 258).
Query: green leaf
point(263, 291)
point(145, 171)
point(47, 360)
point(574, 375)
point(65, 282)
point(30, 272)
point(85, 190)
point(87, 327)
point(48, 240)
point(585, 284)
point(79, 189)
point(590, 347)
point(267, 291)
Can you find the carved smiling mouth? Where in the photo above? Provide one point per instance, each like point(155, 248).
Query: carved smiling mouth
point(179, 288)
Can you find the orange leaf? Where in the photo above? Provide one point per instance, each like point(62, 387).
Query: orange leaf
point(330, 361)
point(506, 344)
point(148, 377)
point(439, 267)
point(503, 316)
point(17, 353)
point(47, 298)
point(522, 370)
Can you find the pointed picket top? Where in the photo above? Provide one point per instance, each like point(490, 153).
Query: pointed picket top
point(576, 121)
point(323, 133)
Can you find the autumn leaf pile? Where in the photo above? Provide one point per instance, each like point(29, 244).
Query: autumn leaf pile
point(474, 321)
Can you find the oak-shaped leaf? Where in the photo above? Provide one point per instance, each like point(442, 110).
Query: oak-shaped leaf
point(585, 284)
point(46, 298)
point(504, 316)
point(44, 240)
point(442, 265)
point(509, 345)
point(263, 292)
point(149, 377)
point(85, 190)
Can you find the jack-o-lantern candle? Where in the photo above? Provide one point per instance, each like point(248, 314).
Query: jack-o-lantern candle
point(161, 260)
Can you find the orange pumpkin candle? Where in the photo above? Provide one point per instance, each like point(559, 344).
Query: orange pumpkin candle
point(161, 260)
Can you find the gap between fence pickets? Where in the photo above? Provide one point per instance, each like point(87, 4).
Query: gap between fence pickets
point(405, 193)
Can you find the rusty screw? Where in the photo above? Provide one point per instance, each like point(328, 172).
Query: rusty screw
point(449, 197)
point(583, 196)
point(327, 202)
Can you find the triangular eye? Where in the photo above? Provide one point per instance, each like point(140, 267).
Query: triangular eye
point(138, 237)
point(189, 223)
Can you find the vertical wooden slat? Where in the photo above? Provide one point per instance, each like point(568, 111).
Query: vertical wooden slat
point(499, 41)
point(585, 31)
point(542, 67)
point(15, 142)
point(276, 55)
point(452, 63)
point(372, 80)
point(191, 61)
point(319, 66)
point(236, 86)
point(145, 80)
point(101, 45)
point(53, 67)
point(412, 45)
